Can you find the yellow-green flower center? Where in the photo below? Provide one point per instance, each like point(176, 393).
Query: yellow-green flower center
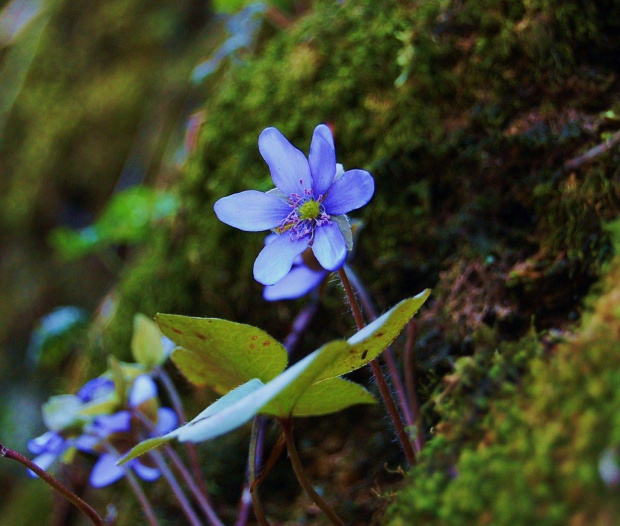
point(309, 210)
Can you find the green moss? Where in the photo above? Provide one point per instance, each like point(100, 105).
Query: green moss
point(534, 456)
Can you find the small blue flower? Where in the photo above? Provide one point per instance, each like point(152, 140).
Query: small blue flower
point(120, 430)
point(306, 209)
point(48, 448)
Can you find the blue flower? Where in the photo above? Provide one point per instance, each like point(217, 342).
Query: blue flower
point(61, 437)
point(306, 209)
point(120, 430)
point(48, 448)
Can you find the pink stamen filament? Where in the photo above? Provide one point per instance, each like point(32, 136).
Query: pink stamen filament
point(302, 227)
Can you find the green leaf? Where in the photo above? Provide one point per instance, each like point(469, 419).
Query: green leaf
point(367, 344)
point(146, 345)
point(56, 334)
point(331, 396)
point(241, 404)
point(220, 353)
point(128, 218)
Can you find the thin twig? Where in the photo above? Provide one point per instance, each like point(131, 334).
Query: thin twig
point(54, 483)
point(378, 373)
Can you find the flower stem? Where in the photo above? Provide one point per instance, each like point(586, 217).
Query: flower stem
point(287, 428)
point(136, 488)
point(193, 487)
point(255, 449)
point(54, 483)
point(408, 401)
point(200, 496)
point(177, 405)
point(378, 373)
point(176, 488)
point(410, 383)
point(142, 498)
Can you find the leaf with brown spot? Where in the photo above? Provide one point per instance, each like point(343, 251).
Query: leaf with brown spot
point(222, 354)
point(371, 341)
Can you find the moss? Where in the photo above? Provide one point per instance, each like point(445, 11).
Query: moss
point(534, 456)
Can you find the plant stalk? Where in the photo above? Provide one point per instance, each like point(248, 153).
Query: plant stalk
point(378, 373)
point(257, 427)
point(287, 428)
point(54, 483)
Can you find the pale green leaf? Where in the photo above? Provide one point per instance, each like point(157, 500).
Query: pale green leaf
point(229, 399)
point(146, 346)
point(368, 343)
point(243, 403)
point(330, 396)
point(222, 354)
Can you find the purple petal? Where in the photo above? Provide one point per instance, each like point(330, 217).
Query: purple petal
point(322, 160)
point(44, 461)
point(145, 472)
point(87, 443)
point(297, 283)
point(95, 389)
point(142, 390)
point(166, 421)
point(50, 442)
point(105, 471)
point(329, 246)
point(105, 425)
point(353, 190)
point(251, 210)
point(276, 258)
point(288, 166)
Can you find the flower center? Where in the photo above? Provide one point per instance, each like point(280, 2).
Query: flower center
point(306, 214)
point(309, 210)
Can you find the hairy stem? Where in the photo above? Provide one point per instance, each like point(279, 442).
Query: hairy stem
point(287, 428)
point(204, 504)
point(408, 409)
point(54, 483)
point(378, 373)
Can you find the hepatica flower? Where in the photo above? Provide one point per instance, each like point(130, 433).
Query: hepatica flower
point(306, 209)
point(121, 431)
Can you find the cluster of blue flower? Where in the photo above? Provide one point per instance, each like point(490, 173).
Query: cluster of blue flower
point(96, 421)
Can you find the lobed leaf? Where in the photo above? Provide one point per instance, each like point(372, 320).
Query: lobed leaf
point(331, 396)
point(372, 340)
point(222, 354)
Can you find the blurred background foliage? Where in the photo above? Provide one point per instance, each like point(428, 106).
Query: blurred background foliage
point(491, 128)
